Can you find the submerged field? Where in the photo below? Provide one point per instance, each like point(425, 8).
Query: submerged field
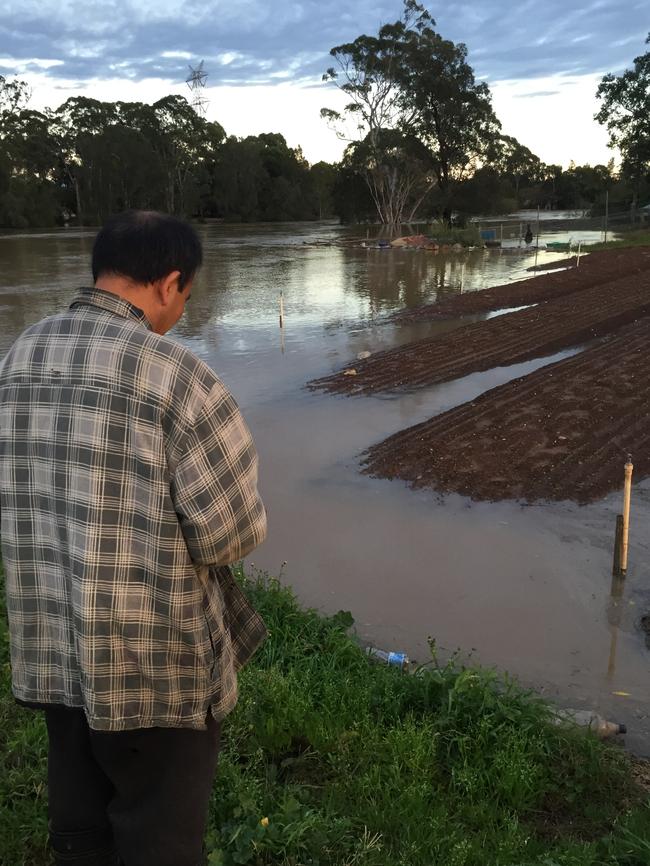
point(561, 432)
point(331, 760)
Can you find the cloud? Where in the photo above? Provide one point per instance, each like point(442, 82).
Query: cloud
point(250, 41)
point(535, 93)
point(13, 65)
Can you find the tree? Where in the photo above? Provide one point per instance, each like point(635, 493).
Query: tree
point(323, 178)
point(625, 111)
point(75, 124)
point(14, 95)
point(448, 111)
point(28, 194)
point(513, 160)
point(408, 85)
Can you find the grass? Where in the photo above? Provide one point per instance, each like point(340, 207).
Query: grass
point(629, 238)
point(331, 760)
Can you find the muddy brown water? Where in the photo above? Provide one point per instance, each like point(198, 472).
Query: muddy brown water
point(525, 589)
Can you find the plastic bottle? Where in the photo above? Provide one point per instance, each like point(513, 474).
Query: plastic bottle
point(588, 719)
point(399, 660)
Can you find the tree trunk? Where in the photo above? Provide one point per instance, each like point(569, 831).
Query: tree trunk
point(77, 195)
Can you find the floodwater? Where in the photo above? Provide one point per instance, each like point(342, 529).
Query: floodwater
point(524, 588)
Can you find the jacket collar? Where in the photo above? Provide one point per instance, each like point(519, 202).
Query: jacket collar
point(108, 301)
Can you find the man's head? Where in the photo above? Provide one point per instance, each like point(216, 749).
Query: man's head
point(150, 259)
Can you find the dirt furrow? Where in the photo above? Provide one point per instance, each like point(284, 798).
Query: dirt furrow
point(549, 327)
point(560, 433)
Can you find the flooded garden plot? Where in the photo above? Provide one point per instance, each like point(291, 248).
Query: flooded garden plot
point(513, 338)
point(561, 432)
point(594, 269)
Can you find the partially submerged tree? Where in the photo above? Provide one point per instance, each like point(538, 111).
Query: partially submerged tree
point(397, 170)
point(407, 85)
point(625, 111)
point(449, 112)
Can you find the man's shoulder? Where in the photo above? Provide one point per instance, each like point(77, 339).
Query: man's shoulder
point(187, 370)
point(120, 353)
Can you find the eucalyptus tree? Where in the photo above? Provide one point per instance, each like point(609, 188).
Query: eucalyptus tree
point(75, 125)
point(625, 111)
point(411, 83)
point(14, 95)
point(374, 117)
point(184, 142)
point(28, 158)
point(448, 110)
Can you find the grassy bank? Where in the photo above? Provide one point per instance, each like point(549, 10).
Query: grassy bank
point(329, 760)
point(628, 238)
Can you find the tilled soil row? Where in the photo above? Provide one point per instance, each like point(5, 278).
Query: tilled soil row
point(595, 269)
point(562, 432)
point(509, 339)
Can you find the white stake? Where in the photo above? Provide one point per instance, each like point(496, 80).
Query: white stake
point(578, 256)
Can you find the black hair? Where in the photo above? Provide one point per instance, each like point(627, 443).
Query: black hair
point(146, 246)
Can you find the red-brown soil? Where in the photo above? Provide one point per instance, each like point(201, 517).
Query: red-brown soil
point(595, 269)
point(562, 432)
point(512, 338)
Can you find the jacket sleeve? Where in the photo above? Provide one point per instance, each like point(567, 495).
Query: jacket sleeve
point(214, 486)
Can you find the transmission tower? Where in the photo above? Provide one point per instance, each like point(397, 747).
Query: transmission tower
point(196, 82)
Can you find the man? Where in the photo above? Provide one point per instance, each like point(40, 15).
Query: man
point(128, 482)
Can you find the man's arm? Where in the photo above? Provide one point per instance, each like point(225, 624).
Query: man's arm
point(214, 487)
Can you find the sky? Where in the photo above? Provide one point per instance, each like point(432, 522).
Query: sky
point(541, 60)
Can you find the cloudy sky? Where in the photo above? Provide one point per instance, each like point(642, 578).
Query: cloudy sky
point(542, 59)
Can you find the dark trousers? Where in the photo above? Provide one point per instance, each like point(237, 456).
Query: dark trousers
point(138, 798)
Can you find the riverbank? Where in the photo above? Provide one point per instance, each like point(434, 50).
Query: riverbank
point(331, 760)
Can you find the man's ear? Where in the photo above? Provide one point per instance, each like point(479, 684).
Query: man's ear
point(167, 287)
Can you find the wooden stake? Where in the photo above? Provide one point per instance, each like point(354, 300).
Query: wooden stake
point(626, 514)
point(578, 257)
point(462, 276)
point(281, 310)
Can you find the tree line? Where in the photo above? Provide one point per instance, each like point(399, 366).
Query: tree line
point(423, 141)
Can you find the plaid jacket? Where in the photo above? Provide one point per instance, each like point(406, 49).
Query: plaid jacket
point(128, 480)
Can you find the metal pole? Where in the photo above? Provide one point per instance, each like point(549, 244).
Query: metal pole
point(537, 244)
point(281, 311)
